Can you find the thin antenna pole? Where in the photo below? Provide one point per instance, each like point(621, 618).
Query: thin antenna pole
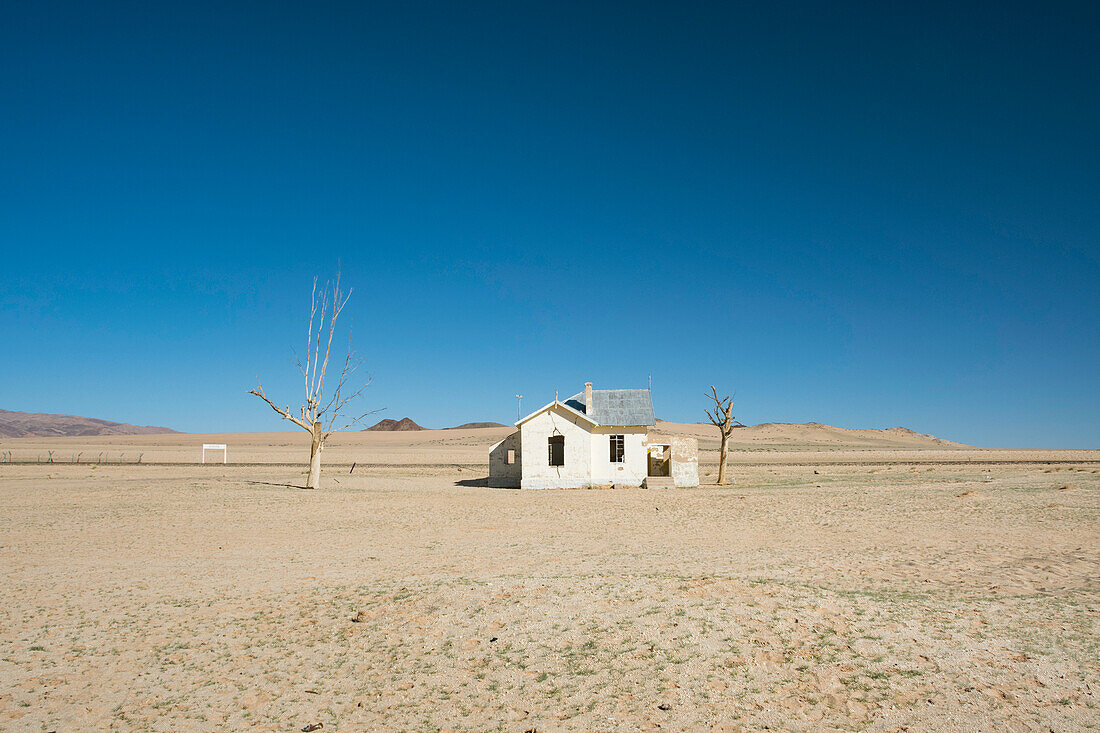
point(519, 407)
point(650, 382)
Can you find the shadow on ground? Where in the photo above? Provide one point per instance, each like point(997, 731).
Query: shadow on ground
point(473, 482)
point(286, 486)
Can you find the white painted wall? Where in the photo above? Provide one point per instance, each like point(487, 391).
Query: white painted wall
point(632, 471)
point(504, 475)
point(534, 435)
point(587, 455)
point(685, 461)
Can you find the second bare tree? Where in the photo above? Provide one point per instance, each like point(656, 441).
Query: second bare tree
point(726, 422)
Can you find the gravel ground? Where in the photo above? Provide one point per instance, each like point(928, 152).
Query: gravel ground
point(905, 597)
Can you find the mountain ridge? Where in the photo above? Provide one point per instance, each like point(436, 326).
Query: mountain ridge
point(15, 424)
point(477, 425)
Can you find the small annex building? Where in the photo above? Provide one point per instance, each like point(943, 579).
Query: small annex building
point(594, 438)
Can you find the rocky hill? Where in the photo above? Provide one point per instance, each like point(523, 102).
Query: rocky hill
point(389, 424)
point(39, 424)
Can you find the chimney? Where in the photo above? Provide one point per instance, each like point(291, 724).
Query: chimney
point(588, 398)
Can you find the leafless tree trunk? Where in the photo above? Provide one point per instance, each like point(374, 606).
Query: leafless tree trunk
point(318, 417)
point(726, 422)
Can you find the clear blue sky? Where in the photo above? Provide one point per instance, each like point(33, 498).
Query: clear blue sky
point(868, 214)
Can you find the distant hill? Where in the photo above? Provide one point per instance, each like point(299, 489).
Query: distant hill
point(404, 424)
point(785, 436)
point(39, 424)
point(472, 425)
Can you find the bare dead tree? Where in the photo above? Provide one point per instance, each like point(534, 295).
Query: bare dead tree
point(318, 416)
point(725, 421)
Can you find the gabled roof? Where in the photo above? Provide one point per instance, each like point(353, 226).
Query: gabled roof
point(567, 408)
point(620, 407)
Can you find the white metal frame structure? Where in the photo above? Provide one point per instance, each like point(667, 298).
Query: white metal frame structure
point(215, 446)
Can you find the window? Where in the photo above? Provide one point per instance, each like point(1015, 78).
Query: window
point(510, 457)
point(618, 448)
point(556, 444)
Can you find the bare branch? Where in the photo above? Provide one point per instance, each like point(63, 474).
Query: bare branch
point(284, 412)
point(339, 399)
point(298, 361)
point(348, 368)
point(338, 303)
point(311, 387)
point(309, 333)
point(356, 421)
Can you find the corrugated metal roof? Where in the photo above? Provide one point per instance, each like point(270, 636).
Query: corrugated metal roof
point(617, 406)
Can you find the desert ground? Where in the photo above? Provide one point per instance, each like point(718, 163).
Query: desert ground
point(848, 580)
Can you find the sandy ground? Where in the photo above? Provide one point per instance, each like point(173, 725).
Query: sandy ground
point(902, 594)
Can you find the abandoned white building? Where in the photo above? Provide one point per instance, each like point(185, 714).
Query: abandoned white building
point(596, 437)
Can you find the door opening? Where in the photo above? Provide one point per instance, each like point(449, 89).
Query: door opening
point(660, 461)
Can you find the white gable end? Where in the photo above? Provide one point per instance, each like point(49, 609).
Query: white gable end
point(559, 422)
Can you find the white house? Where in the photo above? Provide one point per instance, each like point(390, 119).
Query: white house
point(596, 437)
